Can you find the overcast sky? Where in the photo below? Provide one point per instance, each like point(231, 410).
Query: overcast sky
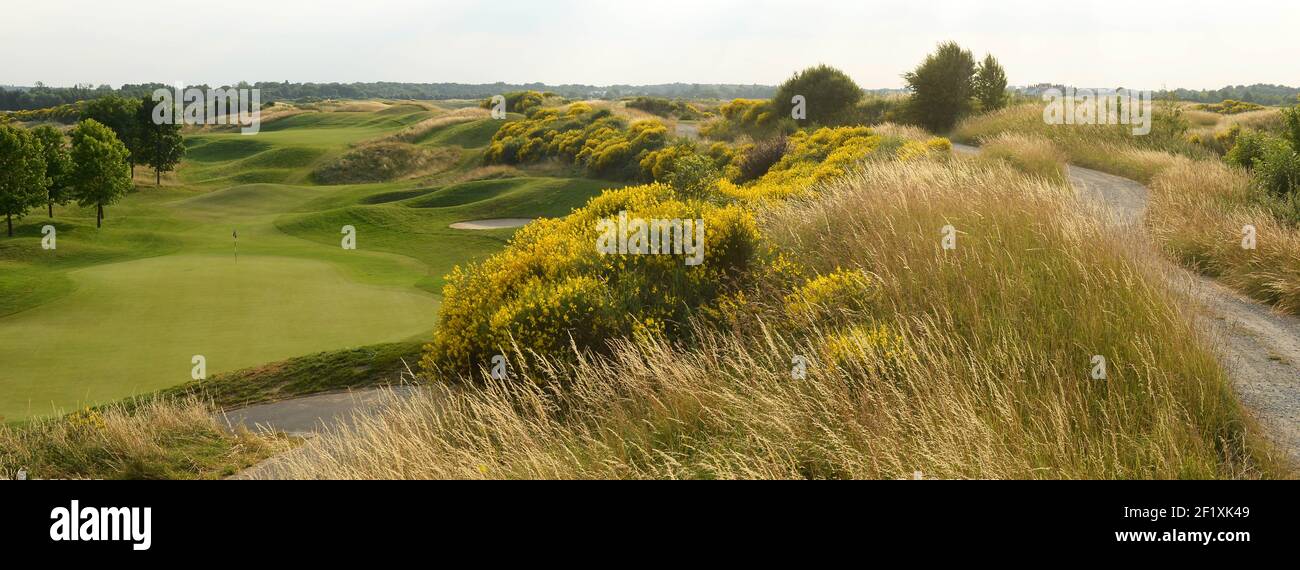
point(1133, 43)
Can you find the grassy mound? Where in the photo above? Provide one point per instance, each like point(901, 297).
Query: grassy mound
point(376, 365)
point(504, 197)
point(158, 439)
point(385, 161)
point(475, 134)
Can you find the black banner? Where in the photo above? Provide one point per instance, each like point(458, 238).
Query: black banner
point(1098, 519)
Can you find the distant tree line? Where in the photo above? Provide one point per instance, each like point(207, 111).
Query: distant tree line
point(45, 97)
point(1261, 93)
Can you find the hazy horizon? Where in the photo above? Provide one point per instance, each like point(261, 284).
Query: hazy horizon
point(1150, 45)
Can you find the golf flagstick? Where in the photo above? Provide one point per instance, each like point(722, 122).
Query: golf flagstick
point(235, 234)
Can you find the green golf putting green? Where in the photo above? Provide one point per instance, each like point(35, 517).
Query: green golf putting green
point(134, 327)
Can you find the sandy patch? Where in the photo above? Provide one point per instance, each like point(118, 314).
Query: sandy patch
point(492, 224)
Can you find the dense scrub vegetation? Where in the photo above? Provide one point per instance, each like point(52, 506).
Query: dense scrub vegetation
point(606, 146)
point(520, 101)
point(548, 292)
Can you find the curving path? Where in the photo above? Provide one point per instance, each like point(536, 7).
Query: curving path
point(1259, 348)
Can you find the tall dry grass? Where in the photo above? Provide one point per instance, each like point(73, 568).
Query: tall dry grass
point(984, 373)
point(1029, 153)
point(1100, 147)
point(1198, 206)
point(154, 439)
point(1198, 213)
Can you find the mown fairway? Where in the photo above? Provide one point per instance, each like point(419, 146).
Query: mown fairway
point(121, 310)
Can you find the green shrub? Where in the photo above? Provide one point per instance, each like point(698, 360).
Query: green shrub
point(1277, 170)
point(693, 175)
point(1248, 149)
point(830, 95)
point(1291, 126)
point(519, 101)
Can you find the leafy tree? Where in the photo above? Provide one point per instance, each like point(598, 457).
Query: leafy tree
point(160, 146)
point(100, 175)
point(118, 114)
point(990, 84)
point(942, 87)
point(58, 164)
point(830, 95)
point(22, 174)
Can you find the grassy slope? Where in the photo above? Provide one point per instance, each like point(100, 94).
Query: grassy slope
point(128, 305)
point(373, 365)
point(157, 439)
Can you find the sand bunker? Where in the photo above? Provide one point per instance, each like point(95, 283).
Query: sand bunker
point(492, 224)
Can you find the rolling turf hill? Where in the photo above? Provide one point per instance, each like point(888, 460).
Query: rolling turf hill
point(122, 310)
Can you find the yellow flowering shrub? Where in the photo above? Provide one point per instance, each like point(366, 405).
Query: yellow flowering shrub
point(826, 295)
point(874, 345)
point(551, 290)
point(87, 420)
point(752, 117)
point(551, 287)
point(519, 101)
point(604, 144)
point(913, 150)
point(811, 158)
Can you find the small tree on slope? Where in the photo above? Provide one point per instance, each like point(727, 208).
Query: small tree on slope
point(100, 173)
